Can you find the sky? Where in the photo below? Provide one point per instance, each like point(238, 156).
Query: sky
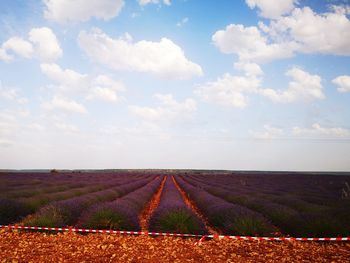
point(191, 84)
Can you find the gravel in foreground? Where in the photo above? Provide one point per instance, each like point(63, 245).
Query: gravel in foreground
point(16, 246)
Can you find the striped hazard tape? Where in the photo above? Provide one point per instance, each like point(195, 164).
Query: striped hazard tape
point(202, 237)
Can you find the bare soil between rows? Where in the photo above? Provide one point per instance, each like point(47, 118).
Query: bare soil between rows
point(17, 246)
point(195, 209)
point(150, 207)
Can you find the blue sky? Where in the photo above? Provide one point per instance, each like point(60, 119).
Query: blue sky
point(254, 85)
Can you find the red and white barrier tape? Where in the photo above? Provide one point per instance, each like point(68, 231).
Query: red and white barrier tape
point(202, 237)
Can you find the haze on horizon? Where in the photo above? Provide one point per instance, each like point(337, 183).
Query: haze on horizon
point(239, 85)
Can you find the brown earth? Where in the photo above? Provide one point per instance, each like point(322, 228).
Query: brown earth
point(16, 246)
point(150, 207)
point(195, 209)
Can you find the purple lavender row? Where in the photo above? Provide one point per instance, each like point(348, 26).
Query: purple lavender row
point(298, 204)
point(280, 215)
point(14, 209)
point(311, 186)
point(66, 212)
point(230, 218)
point(122, 213)
point(173, 215)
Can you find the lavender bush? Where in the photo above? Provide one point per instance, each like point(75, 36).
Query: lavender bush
point(67, 212)
point(172, 214)
point(121, 214)
point(231, 219)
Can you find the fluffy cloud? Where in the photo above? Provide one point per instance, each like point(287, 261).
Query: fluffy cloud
point(317, 131)
point(231, 90)
point(65, 11)
point(105, 88)
point(169, 109)
point(268, 133)
point(46, 45)
point(146, 2)
point(64, 104)
point(67, 128)
point(11, 94)
point(272, 8)
point(303, 86)
point(4, 56)
point(163, 58)
point(343, 83)
point(8, 94)
point(18, 46)
point(228, 90)
point(250, 69)
point(69, 81)
point(5, 143)
point(327, 33)
point(250, 44)
point(302, 31)
point(41, 44)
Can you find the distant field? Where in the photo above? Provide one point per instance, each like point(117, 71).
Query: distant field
point(197, 202)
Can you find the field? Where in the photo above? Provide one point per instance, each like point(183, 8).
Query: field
point(179, 201)
point(197, 202)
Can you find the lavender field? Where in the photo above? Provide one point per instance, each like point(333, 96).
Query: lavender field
point(189, 201)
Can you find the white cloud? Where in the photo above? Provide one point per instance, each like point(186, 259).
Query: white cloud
point(250, 44)
point(41, 44)
point(231, 90)
point(272, 8)
point(67, 128)
point(45, 43)
point(268, 133)
point(343, 83)
point(66, 11)
point(64, 104)
point(169, 110)
point(182, 22)
point(5, 143)
point(105, 88)
point(69, 81)
point(8, 94)
point(146, 2)
point(250, 69)
point(19, 46)
point(303, 86)
point(302, 31)
point(317, 131)
point(327, 33)
point(4, 56)
point(163, 58)
point(11, 94)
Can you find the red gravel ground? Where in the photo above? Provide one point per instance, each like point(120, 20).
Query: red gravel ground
point(150, 207)
point(195, 210)
point(16, 246)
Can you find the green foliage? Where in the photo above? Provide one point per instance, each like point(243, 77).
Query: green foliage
point(107, 219)
point(178, 221)
point(249, 226)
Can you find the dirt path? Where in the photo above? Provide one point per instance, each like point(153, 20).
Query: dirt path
point(150, 207)
point(195, 209)
point(18, 246)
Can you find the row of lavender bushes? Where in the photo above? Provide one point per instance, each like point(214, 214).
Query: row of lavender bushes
point(67, 212)
point(229, 218)
point(292, 215)
point(122, 213)
point(14, 210)
point(173, 215)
